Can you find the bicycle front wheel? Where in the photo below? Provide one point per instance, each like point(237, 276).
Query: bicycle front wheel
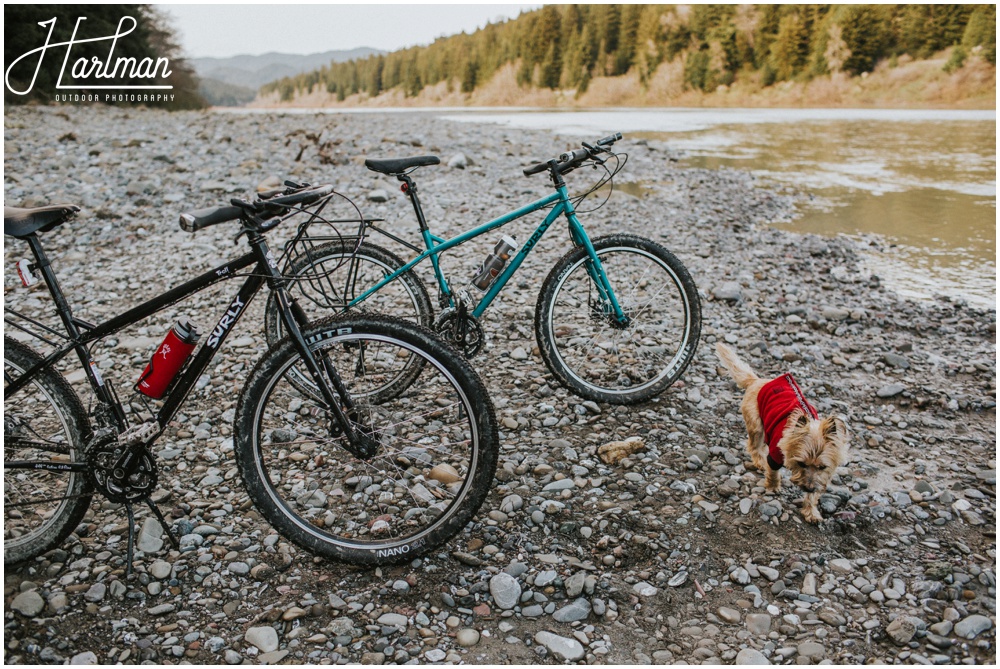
point(436, 443)
point(596, 357)
point(44, 428)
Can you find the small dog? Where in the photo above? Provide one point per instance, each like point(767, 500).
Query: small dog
point(783, 428)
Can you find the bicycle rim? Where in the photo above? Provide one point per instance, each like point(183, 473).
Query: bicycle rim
point(427, 456)
point(36, 428)
point(626, 361)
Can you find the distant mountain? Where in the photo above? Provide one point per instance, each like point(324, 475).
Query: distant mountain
point(255, 71)
point(220, 94)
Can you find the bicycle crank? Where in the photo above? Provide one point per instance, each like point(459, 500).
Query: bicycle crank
point(462, 330)
point(119, 486)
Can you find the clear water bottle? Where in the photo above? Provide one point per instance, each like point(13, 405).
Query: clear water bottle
point(494, 263)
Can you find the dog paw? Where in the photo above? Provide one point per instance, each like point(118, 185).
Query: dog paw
point(812, 517)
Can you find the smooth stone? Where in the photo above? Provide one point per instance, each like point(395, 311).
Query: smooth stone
point(273, 657)
point(445, 473)
point(678, 579)
point(811, 649)
point(467, 637)
point(973, 626)
point(731, 616)
point(160, 570)
point(28, 603)
point(758, 624)
point(545, 578)
point(841, 566)
point(87, 657)
point(265, 638)
point(567, 650)
point(393, 620)
point(506, 591)
point(150, 536)
point(751, 656)
point(644, 589)
point(575, 583)
point(577, 610)
point(891, 390)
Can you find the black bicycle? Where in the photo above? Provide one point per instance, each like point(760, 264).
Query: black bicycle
point(338, 465)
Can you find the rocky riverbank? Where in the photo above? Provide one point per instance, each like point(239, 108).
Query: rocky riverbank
point(675, 554)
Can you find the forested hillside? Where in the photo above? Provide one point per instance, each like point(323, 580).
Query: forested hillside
point(567, 46)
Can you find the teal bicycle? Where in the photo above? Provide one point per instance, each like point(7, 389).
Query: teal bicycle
point(617, 319)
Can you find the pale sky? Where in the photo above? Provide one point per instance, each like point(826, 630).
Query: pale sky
point(229, 30)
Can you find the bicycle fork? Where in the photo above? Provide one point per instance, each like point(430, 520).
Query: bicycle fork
point(610, 308)
point(322, 369)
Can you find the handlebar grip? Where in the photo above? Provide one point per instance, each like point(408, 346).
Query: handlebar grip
point(572, 156)
point(609, 140)
point(535, 169)
point(202, 218)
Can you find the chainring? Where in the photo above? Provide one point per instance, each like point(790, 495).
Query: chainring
point(102, 453)
point(461, 330)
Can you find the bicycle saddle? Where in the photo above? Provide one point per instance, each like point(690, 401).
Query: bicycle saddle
point(399, 165)
point(20, 223)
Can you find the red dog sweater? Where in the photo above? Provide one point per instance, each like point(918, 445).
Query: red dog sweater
point(775, 403)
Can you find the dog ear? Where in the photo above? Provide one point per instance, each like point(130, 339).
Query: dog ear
point(799, 418)
point(834, 429)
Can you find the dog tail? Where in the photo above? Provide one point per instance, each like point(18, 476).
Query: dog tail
point(739, 370)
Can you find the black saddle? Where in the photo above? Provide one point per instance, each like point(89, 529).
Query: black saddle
point(20, 223)
point(400, 165)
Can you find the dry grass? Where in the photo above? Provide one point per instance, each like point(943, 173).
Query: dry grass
point(910, 84)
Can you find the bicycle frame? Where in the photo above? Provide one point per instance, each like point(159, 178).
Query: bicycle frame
point(435, 246)
point(265, 271)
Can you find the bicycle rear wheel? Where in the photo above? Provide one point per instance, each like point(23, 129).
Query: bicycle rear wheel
point(327, 278)
point(437, 443)
point(591, 354)
point(45, 425)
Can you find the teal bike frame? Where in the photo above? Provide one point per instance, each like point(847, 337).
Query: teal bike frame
point(436, 246)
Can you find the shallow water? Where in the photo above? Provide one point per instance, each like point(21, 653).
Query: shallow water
point(922, 180)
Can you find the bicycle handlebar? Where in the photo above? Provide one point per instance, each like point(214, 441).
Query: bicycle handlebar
point(567, 162)
point(203, 218)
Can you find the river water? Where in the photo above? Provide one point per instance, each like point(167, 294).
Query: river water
point(923, 181)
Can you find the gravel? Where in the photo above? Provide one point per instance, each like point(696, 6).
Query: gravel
point(670, 550)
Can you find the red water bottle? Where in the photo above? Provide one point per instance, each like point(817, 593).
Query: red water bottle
point(168, 359)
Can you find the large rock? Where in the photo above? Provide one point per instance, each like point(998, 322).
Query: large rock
point(506, 591)
point(28, 603)
point(150, 536)
point(265, 638)
point(973, 626)
point(393, 620)
point(751, 656)
point(901, 630)
point(564, 649)
point(87, 657)
point(758, 624)
point(579, 609)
